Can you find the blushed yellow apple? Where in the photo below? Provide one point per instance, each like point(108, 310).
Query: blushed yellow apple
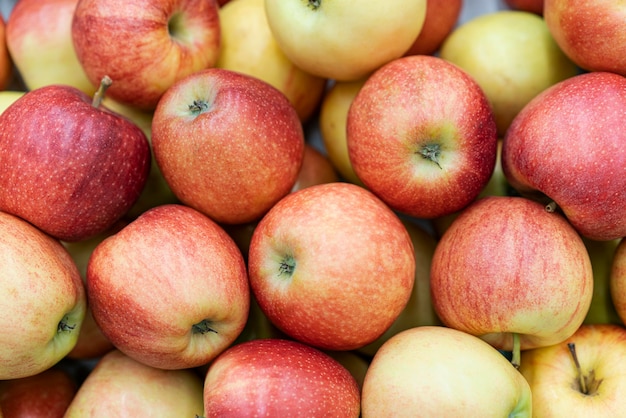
point(511, 55)
point(341, 39)
point(248, 46)
point(7, 97)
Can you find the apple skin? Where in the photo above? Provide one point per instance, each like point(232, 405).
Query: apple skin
point(199, 268)
point(532, 6)
point(554, 380)
point(46, 394)
point(316, 168)
point(506, 265)
point(441, 18)
point(95, 162)
point(248, 46)
point(44, 316)
point(434, 371)
point(590, 33)
point(39, 38)
point(119, 386)
point(617, 280)
point(512, 56)
point(337, 40)
point(566, 146)
point(234, 160)
point(331, 266)
point(173, 38)
point(422, 137)
point(279, 377)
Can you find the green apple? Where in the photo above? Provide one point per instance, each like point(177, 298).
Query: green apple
point(512, 56)
point(435, 371)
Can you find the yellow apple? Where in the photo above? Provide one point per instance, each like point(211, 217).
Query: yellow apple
point(7, 97)
point(512, 56)
point(248, 46)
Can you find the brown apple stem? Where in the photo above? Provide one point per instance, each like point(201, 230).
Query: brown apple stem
point(551, 206)
point(517, 351)
point(581, 378)
point(99, 94)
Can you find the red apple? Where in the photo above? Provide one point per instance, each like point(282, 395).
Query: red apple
point(422, 136)
point(145, 45)
point(170, 289)
point(228, 144)
point(532, 6)
point(591, 33)
point(277, 377)
point(331, 266)
point(44, 395)
point(513, 274)
point(68, 165)
point(43, 303)
point(441, 18)
point(566, 146)
point(119, 386)
point(316, 169)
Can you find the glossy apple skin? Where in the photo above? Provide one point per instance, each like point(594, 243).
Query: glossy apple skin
point(95, 162)
point(46, 394)
point(352, 266)
point(440, 19)
point(279, 377)
point(235, 160)
point(39, 37)
point(590, 33)
point(433, 371)
point(121, 39)
point(506, 265)
point(32, 310)
point(415, 102)
point(119, 386)
point(148, 308)
point(554, 381)
point(567, 146)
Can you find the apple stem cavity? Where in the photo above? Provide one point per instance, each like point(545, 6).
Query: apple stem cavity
point(431, 152)
point(517, 351)
point(98, 96)
point(198, 106)
point(202, 327)
point(64, 326)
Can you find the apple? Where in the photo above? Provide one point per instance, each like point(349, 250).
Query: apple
point(331, 266)
point(512, 273)
point(617, 280)
point(278, 377)
point(188, 298)
point(590, 33)
point(332, 121)
point(566, 149)
point(123, 39)
point(119, 386)
point(39, 38)
point(228, 144)
point(248, 46)
point(532, 6)
point(46, 394)
point(95, 161)
point(434, 371)
point(6, 60)
point(419, 311)
point(422, 137)
point(440, 20)
point(581, 377)
point(602, 254)
point(512, 56)
point(316, 168)
point(44, 299)
point(340, 40)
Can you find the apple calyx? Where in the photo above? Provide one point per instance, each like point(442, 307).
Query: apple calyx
point(517, 351)
point(431, 152)
point(314, 4)
point(587, 384)
point(64, 326)
point(202, 327)
point(198, 107)
point(98, 96)
point(287, 266)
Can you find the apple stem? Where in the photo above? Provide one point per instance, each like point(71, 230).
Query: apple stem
point(99, 94)
point(551, 206)
point(581, 378)
point(517, 351)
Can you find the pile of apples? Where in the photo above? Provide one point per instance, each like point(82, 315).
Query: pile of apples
point(312, 208)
